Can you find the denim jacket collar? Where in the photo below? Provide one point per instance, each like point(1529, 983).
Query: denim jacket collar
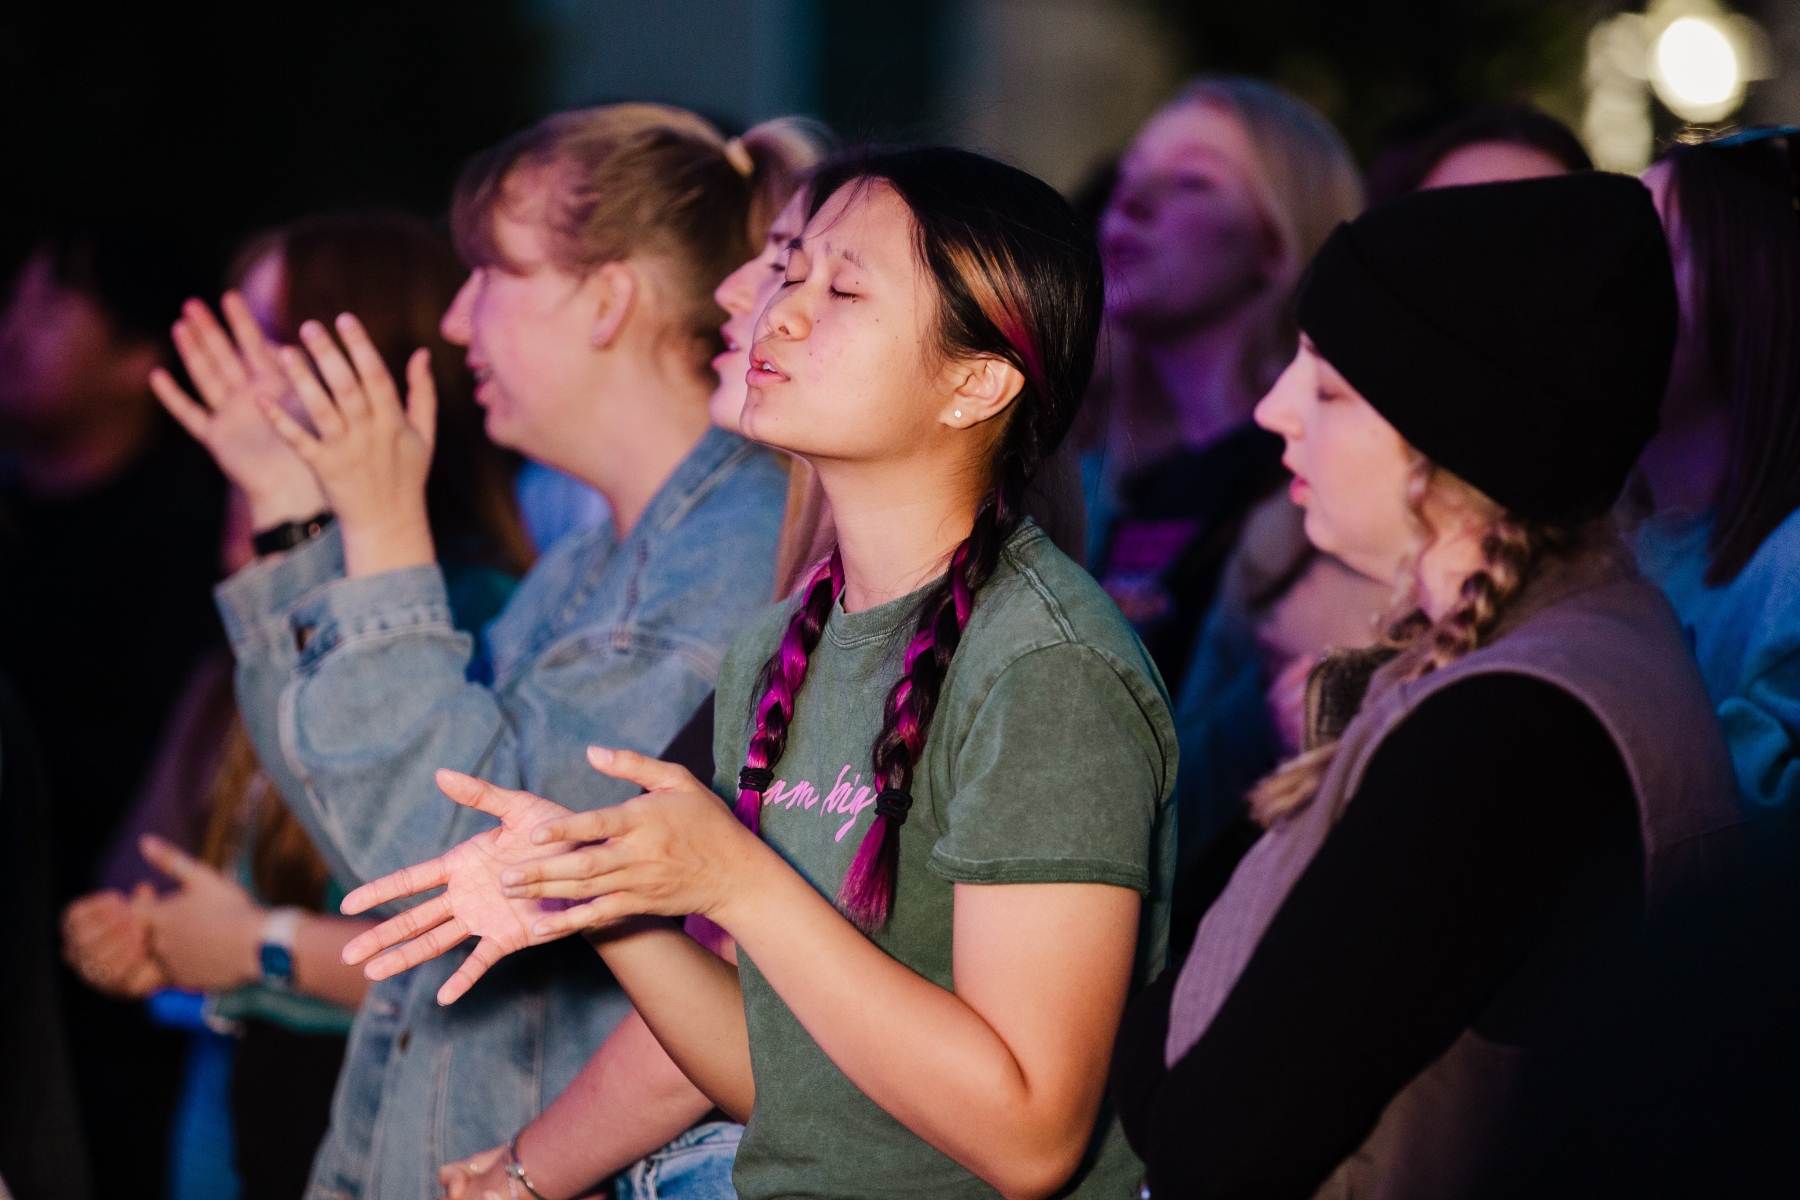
point(708, 462)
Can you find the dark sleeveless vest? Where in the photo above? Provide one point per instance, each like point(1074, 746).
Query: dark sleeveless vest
point(1590, 625)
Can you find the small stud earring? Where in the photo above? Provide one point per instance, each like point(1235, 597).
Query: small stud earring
point(957, 414)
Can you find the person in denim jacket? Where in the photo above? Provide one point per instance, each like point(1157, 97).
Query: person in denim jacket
point(596, 238)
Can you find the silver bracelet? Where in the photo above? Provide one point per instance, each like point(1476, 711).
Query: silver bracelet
point(515, 1172)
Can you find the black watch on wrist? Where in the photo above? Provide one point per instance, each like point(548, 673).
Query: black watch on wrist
point(291, 534)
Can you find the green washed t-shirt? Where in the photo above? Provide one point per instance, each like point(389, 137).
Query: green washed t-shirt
point(1051, 759)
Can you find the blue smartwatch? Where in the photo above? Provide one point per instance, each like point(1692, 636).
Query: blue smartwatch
point(275, 948)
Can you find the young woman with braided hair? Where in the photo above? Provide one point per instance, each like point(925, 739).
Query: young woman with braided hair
point(1404, 987)
point(951, 732)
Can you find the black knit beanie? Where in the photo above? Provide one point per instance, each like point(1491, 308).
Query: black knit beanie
point(1518, 334)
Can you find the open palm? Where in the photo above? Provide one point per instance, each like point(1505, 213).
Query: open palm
point(472, 904)
point(238, 378)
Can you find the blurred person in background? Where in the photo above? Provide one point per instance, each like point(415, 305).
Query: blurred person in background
point(1488, 144)
point(1216, 210)
point(596, 239)
point(252, 920)
point(1722, 476)
point(1719, 494)
point(1219, 205)
point(42, 1152)
point(1719, 504)
point(1282, 603)
point(109, 534)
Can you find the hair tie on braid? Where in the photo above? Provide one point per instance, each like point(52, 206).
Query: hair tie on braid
point(755, 779)
point(894, 804)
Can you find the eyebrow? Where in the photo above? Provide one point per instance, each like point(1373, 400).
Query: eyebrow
point(850, 255)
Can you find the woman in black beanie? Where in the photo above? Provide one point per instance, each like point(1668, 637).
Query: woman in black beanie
point(1495, 796)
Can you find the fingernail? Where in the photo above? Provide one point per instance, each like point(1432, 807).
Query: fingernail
point(512, 876)
point(539, 836)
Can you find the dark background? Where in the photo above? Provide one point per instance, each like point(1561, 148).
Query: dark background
point(208, 120)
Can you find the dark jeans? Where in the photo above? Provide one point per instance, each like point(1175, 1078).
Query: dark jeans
point(281, 1089)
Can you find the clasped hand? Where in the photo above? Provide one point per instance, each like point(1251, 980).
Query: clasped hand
point(200, 937)
point(371, 454)
point(672, 851)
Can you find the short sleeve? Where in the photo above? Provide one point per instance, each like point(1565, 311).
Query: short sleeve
point(1059, 779)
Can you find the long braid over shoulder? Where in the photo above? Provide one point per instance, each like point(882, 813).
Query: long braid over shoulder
point(1510, 549)
point(779, 683)
point(1018, 279)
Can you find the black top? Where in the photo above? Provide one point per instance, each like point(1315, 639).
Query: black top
point(41, 1152)
point(1494, 836)
point(693, 746)
point(106, 606)
point(1203, 495)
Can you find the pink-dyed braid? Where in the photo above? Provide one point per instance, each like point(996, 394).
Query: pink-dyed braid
point(868, 890)
point(782, 676)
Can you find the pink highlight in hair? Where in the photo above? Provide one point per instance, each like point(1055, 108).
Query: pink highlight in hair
point(1014, 331)
point(868, 887)
point(867, 894)
point(959, 586)
point(787, 671)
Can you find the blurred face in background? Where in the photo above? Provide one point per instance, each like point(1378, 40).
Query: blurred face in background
point(63, 365)
point(528, 327)
point(743, 295)
point(1184, 239)
point(264, 289)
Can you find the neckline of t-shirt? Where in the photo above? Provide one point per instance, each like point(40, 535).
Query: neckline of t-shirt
point(848, 629)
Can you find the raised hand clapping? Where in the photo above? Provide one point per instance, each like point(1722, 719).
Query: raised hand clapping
point(239, 379)
point(371, 453)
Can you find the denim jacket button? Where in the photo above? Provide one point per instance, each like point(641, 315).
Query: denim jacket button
point(302, 635)
point(405, 1039)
